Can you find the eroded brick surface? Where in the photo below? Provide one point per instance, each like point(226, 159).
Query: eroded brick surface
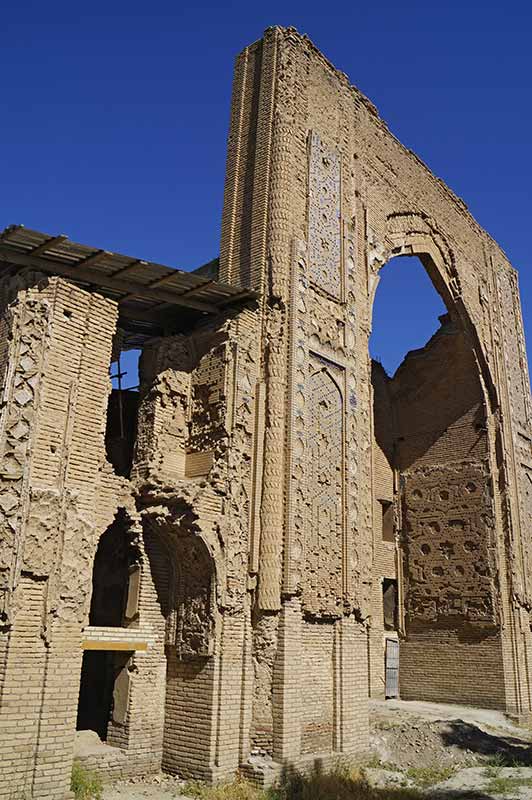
point(206, 572)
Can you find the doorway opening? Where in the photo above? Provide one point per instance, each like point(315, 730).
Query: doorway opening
point(114, 603)
point(389, 604)
point(100, 699)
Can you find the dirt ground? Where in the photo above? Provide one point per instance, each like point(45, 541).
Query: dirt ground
point(414, 734)
point(161, 787)
point(444, 751)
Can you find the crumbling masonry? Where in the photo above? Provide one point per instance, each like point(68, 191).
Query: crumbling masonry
point(270, 516)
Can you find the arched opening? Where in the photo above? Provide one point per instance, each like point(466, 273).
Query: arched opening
point(183, 572)
point(406, 310)
point(432, 514)
point(114, 604)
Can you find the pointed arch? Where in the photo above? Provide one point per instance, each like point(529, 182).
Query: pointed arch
point(411, 233)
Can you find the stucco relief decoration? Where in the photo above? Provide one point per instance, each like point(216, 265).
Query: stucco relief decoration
point(190, 624)
point(358, 554)
point(324, 236)
point(514, 350)
point(241, 379)
point(19, 399)
point(324, 543)
point(448, 523)
point(377, 255)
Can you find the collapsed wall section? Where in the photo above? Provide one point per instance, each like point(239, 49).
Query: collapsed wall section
point(192, 469)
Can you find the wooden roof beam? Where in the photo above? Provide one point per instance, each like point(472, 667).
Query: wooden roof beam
point(8, 232)
point(94, 258)
point(48, 244)
point(14, 256)
point(137, 262)
point(161, 281)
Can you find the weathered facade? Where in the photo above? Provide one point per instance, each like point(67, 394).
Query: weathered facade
point(182, 567)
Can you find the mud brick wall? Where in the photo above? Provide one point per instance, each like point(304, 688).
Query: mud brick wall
point(55, 397)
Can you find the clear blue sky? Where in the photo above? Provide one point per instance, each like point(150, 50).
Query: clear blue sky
point(115, 116)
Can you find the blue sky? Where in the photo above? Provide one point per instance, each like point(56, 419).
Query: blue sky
point(114, 118)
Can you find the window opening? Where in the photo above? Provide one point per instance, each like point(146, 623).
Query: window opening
point(388, 531)
point(389, 604)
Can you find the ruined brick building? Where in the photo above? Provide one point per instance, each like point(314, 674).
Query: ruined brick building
point(183, 568)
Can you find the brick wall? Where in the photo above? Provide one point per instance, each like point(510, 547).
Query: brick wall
point(24, 660)
point(189, 696)
point(317, 717)
point(438, 403)
point(64, 335)
point(430, 426)
point(458, 665)
point(318, 263)
point(257, 461)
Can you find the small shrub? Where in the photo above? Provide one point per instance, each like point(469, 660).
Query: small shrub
point(429, 776)
point(505, 785)
point(496, 761)
point(85, 784)
point(386, 724)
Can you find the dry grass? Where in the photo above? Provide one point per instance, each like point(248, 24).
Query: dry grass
point(238, 789)
point(86, 785)
point(429, 776)
point(344, 782)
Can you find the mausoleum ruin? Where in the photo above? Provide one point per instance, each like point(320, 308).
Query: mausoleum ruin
point(214, 572)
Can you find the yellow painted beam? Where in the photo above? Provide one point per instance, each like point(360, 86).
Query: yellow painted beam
point(104, 644)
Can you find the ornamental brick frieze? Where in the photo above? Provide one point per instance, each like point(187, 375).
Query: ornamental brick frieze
point(449, 546)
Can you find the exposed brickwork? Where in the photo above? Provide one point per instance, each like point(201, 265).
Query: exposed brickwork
point(61, 391)
point(279, 480)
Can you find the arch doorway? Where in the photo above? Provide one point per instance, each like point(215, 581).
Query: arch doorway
point(115, 561)
point(432, 515)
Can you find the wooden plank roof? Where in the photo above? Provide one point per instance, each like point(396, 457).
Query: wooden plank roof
point(152, 298)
